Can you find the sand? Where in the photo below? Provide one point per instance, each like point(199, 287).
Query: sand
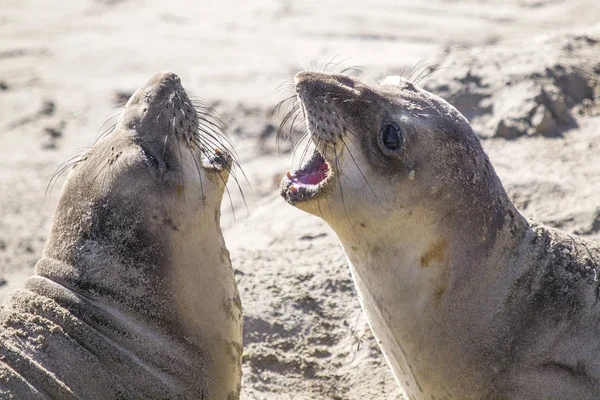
point(524, 72)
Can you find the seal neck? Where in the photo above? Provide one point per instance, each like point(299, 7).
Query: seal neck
point(433, 290)
point(208, 305)
point(421, 251)
point(177, 282)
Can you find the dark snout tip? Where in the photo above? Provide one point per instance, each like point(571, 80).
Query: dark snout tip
point(165, 78)
point(158, 87)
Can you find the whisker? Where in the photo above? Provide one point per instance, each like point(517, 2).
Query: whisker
point(199, 176)
point(360, 170)
point(283, 86)
point(414, 69)
point(330, 65)
point(426, 73)
point(101, 134)
point(75, 159)
point(357, 69)
point(292, 125)
point(339, 180)
point(173, 132)
point(211, 155)
point(305, 152)
point(289, 116)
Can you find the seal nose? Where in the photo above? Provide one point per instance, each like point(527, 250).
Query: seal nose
point(161, 85)
point(156, 89)
point(302, 77)
point(165, 78)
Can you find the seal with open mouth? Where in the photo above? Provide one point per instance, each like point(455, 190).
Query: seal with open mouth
point(134, 296)
point(466, 297)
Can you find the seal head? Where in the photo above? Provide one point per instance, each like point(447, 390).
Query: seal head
point(446, 268)
point(135, 269)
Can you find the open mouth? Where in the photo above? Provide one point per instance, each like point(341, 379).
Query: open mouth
point(307, 182)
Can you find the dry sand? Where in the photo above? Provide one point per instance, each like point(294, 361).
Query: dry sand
point(524, 72)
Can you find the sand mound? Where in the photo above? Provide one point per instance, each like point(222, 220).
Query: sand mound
point(540, 89)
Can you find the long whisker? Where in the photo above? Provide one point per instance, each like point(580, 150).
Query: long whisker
point(232, 173)
point(357, 69)
point(212, 133)
point(67, 165)
point(211, 155)
point(102, 132)
point(279, 105)
point(306, 148)
point(431, 69)
point(359, 170)
point(292, 125)
point(295, 108)
point(416, 68)
point(339, 180)
point(199, 176)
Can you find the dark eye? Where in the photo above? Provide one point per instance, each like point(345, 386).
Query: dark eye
point(391, 136)
point(153, 160)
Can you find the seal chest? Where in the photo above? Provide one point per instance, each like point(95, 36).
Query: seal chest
point(135, 285)
point(467, 299)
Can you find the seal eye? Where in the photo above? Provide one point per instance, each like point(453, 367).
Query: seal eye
point(391, 137)
point(153, 160)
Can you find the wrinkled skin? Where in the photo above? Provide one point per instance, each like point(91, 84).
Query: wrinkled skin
point(467, 298)
point(134, 296)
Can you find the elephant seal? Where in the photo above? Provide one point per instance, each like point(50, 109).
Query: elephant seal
point(134, 296)
point(466, 297)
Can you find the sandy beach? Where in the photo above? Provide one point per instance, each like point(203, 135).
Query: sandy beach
point(525, 73)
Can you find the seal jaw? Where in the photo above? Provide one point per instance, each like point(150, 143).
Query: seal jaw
point(217, 165)
point(308, 182)
point(218, 161)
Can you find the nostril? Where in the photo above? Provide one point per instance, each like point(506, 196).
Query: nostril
point(170, 76)
point(169, 80)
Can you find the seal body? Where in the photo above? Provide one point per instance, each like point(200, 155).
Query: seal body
point(134, 296)
point(466, 297)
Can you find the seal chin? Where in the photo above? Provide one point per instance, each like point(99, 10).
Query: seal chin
point(309, 182)
point(216, 166)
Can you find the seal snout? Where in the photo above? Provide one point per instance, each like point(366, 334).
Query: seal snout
point(163, 87)
point(166, 78)
point(155, 89)
point(323, 98)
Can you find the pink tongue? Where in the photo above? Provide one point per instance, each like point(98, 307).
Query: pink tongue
point(313, 178)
